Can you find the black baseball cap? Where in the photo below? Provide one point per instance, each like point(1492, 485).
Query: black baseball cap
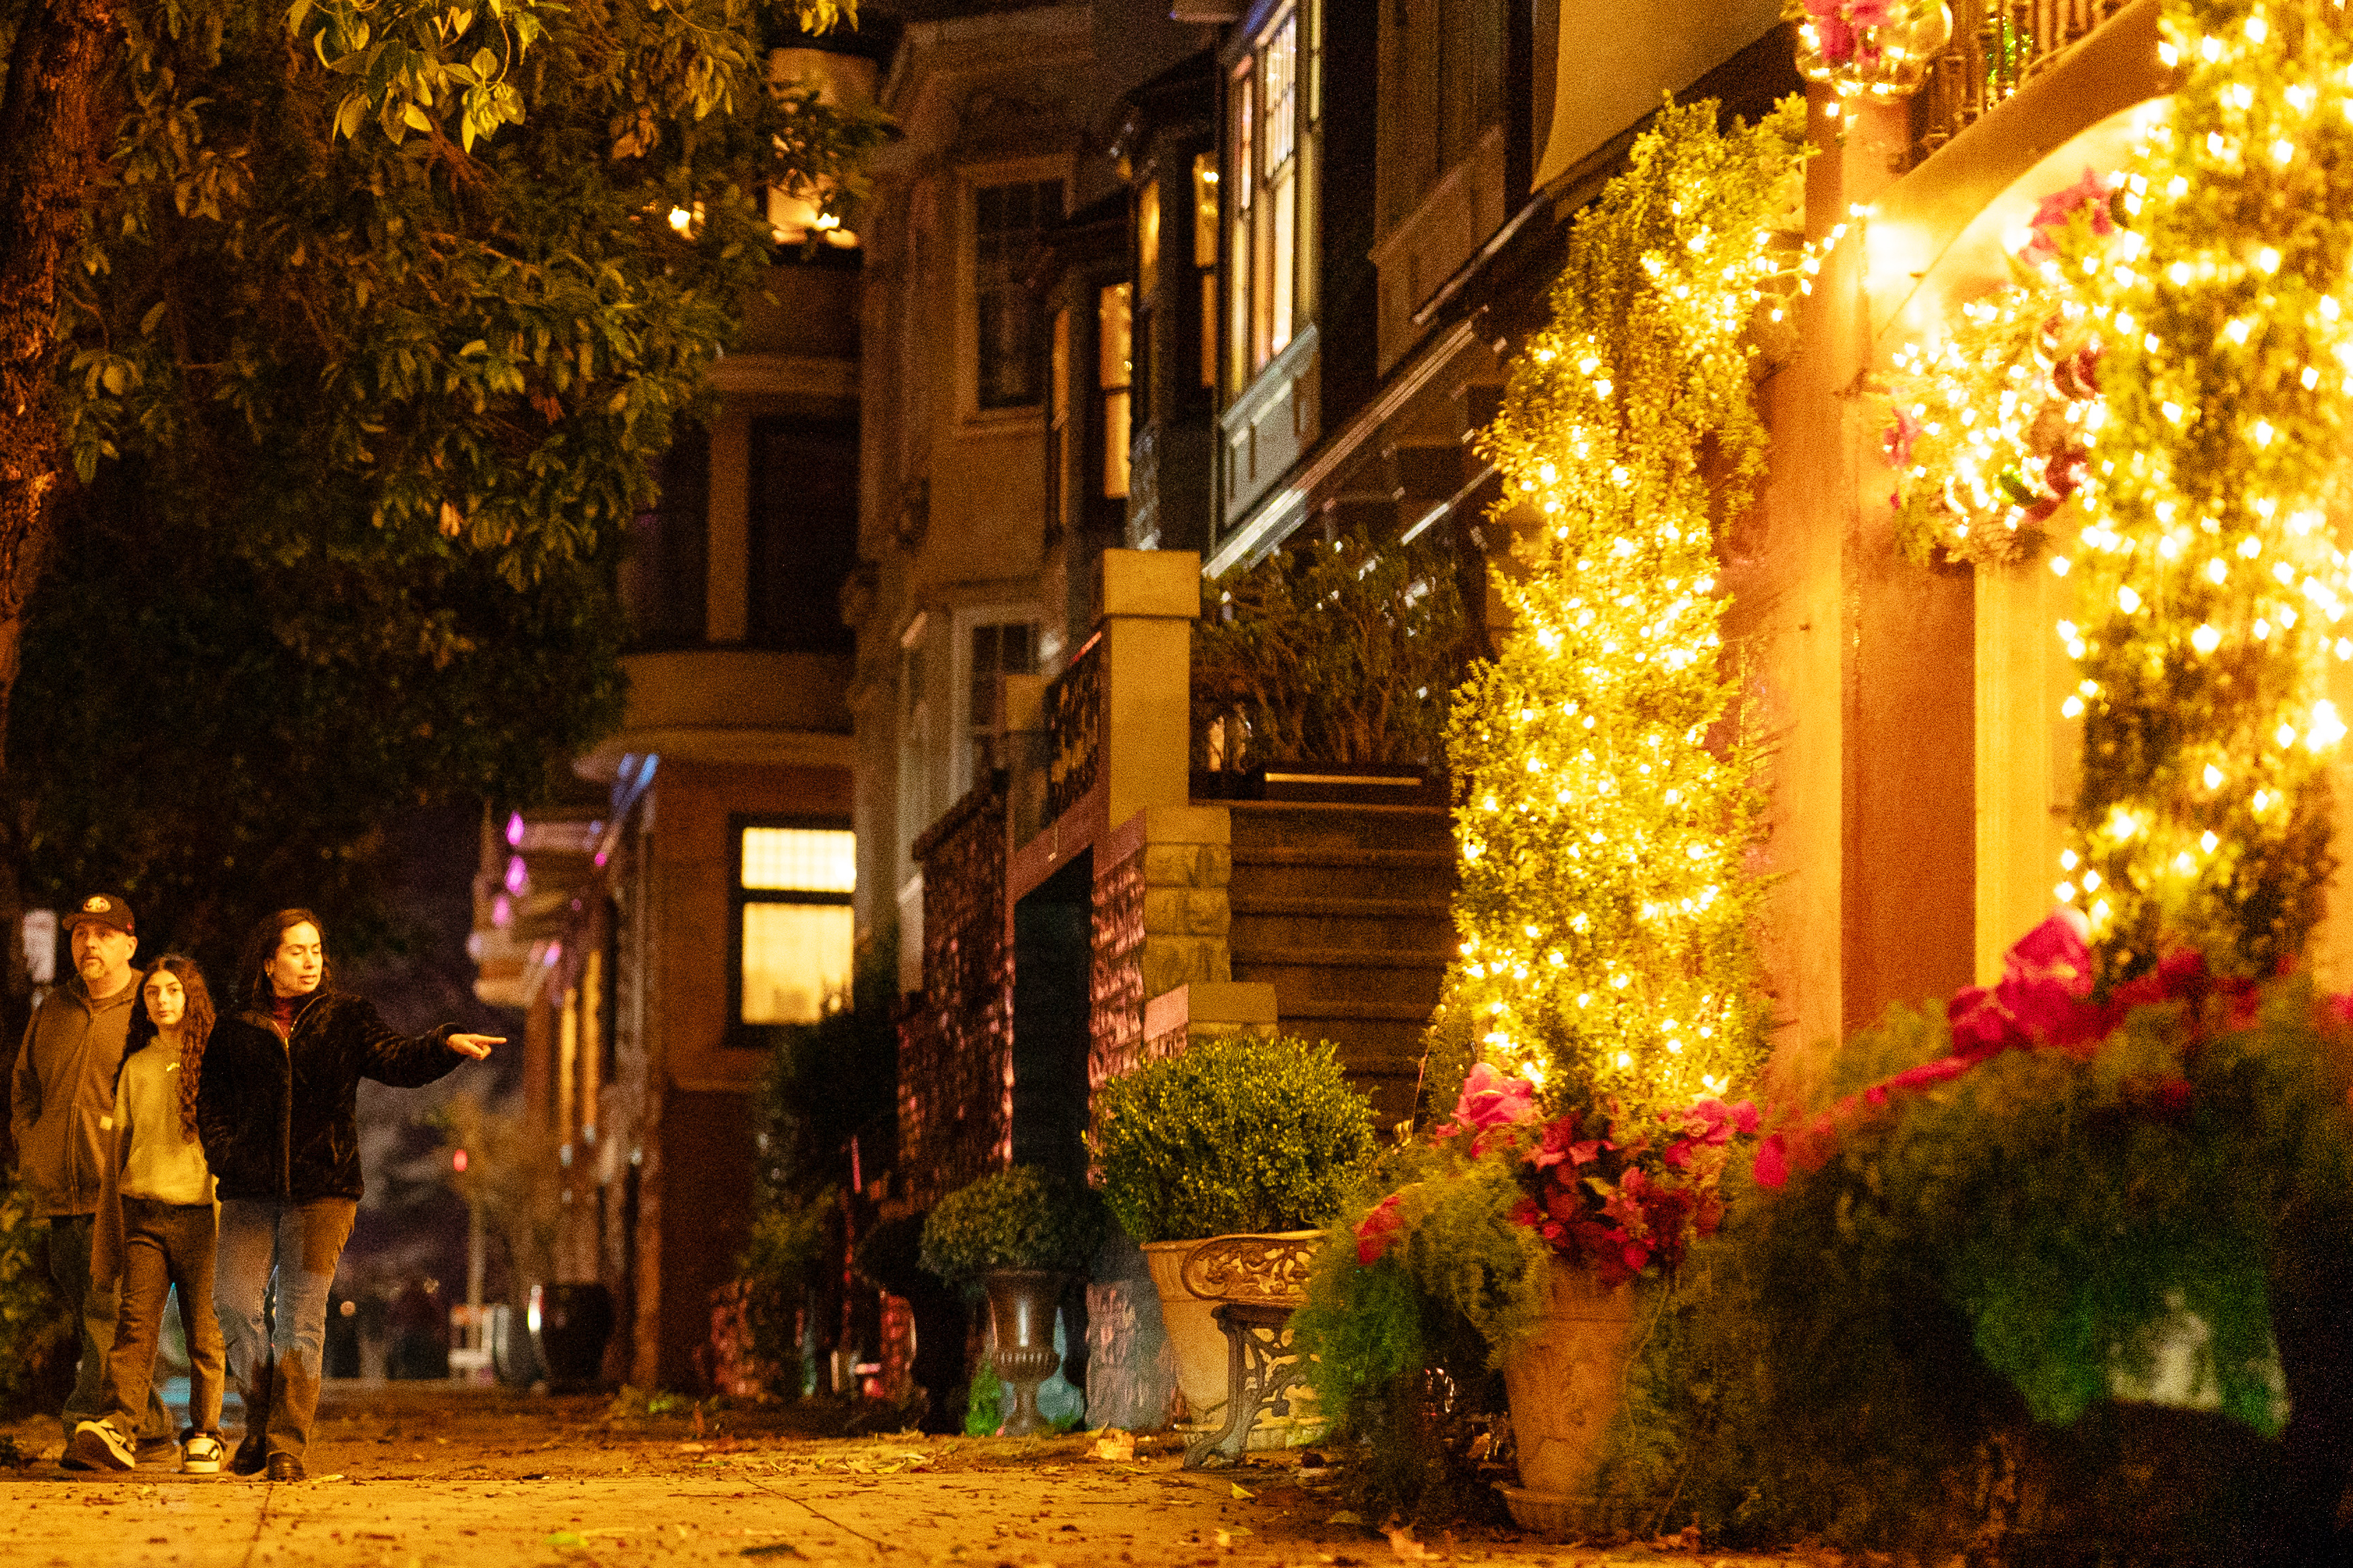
point(106, 910)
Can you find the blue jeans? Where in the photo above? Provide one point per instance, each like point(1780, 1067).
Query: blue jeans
point(287, 1251)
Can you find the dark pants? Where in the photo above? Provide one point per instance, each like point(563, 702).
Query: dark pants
point(289, 1250)
point(94, 1307)
point(165, 1245)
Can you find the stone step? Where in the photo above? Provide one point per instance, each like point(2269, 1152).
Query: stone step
point(1260, 871)
point(1401, 958)
point(1395, 924)
point(1292, 825)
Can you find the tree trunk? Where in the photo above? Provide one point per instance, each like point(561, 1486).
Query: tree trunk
point(49, 125)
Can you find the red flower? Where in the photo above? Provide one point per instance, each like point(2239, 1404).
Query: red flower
point(1897, 440)
point(2058, 209)
point(1491, 1100)
point(1771, 1167)
point(1561, 1142)
point(1378, 1231)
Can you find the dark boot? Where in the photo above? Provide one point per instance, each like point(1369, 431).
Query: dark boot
point(253, 1448)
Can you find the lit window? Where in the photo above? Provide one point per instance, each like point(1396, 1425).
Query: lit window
point(1147, 240)
point(1274, 131)
point(1058, 430)
point(794, 927)
point(800, 859)
point(1205, 259)
point(1114, 367)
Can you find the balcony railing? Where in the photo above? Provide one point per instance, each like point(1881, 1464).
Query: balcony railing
point(1998, 45)
point(1074, 728)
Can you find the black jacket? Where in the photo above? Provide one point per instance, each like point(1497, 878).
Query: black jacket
point(278, 1119)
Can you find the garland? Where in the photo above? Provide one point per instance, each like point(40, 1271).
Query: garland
point(2210, 585)
point(1605, 900)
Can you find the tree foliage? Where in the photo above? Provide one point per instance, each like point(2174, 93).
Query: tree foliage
point(360, 397)
point(390, 348)
point(219, 736)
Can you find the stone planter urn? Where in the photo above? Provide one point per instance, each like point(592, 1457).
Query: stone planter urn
point(1021, 1306)
point(570, 1322)
point(1194, 1278)
point(1565, 1384)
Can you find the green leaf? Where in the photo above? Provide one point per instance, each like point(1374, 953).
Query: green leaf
point(147, 322)
point(116, 379)
point(415, 117)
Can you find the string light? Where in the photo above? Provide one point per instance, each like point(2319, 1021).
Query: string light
point(2146, 387)
point(1604, 903)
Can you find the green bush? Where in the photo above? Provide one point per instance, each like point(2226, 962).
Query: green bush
point(1244, 1134)
point(1343, 651)
point(1919, 1341)
point(32, 1321)
point(1021, 1218)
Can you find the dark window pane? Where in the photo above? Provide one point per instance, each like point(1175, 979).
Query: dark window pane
point(804, 533)
point(1006, 221)
point(663, 578)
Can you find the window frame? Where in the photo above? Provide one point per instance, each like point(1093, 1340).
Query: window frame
point(1263, 197)
point(966, 620)
point(971, 180)
point(761, 1036)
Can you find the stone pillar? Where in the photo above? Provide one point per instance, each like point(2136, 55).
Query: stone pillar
point(1151, 598)
point(1863, 680)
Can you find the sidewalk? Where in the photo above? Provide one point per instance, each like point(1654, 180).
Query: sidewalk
point(424, 1475)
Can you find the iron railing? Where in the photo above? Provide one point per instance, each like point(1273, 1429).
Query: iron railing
point(1998, 46)
point(1074, 728)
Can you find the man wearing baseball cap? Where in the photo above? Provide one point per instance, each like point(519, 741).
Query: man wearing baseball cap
point(63, 1094)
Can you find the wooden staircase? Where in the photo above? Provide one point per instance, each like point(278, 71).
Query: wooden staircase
point(1344, 910)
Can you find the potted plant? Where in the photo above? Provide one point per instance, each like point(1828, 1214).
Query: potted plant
point(1530, 1230)
point(1249, 1139)
point(1018, 1234)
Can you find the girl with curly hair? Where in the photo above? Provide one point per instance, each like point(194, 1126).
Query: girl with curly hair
point(157, 1222)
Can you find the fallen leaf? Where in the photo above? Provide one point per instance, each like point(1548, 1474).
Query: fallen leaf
point(1242, 1491)
point(1402, 1542)
point(1117, 1445)
point(1225, 1541)
point(563, 1539)
point(1346, 1516)
point(693, 1448)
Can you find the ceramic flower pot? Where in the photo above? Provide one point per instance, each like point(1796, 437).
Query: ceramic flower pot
point(1224, 1268)
point(1021, 1306)
point(1565, 1384)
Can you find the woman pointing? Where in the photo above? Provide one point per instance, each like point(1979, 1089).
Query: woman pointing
point(278, 1114)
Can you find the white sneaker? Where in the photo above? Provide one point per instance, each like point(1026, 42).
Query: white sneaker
point(101, 1447)
point(202, 1457)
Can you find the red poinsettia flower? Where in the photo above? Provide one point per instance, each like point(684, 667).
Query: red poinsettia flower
point(1491, 1100)
point(1378, 1231)
point(1561, 1142)
point(1899, 439)
point(2058, 209)
point(1771, 1167)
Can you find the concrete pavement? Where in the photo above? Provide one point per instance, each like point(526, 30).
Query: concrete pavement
point(431, 1476)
